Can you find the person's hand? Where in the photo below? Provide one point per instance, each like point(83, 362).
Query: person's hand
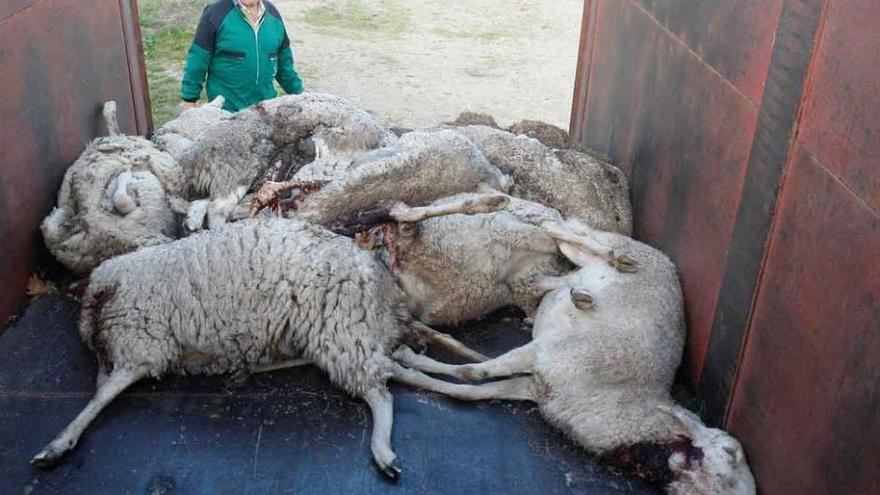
point(186, 105)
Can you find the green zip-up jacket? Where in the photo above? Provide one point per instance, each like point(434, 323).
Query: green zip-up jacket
point(237, 60)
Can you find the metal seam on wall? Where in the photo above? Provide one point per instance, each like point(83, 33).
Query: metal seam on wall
point(796, 35)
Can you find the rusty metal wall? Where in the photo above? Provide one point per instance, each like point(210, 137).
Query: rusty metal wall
point(809, 385)
point(750, 134)
point(59, 61)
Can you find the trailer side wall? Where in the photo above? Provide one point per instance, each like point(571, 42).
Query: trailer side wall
point(749, 131)
point(61, 60)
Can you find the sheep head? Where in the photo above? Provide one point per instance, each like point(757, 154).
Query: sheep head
point(113, 200)
point(720, 469)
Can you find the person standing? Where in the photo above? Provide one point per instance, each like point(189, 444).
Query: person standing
point(239, 49)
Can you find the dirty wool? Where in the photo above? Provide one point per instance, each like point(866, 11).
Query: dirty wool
point(302, 230)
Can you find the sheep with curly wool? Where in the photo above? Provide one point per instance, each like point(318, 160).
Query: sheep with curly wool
point(547, 134)
point(458, 268)
point(294, 290)
point(252, 295)
point(225, 162)
point(113, 200)
point(577, 184)
point(421, 168)
point(175, 136)
point(455, 268)
point(606, 345)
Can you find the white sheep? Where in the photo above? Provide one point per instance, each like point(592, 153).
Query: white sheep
point(605, 349)
point(113, 200)
point(458, 268)
point(250, 296)
point(421, 168)
point(175, 136)
point(577, 184)
point(226, 161)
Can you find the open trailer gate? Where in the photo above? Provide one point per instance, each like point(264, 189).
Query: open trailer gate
point(749, 131)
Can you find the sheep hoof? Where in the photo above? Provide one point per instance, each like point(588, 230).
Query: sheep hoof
point(403, 354)
point(625, 264)
point(392, 471)
point(468, 373)
point(47, 458)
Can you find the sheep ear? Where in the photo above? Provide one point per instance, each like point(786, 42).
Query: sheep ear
point(575, 254)
point(218, 101)
point(683, 421)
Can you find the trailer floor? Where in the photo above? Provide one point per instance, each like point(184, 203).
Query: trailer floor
point(283, 432)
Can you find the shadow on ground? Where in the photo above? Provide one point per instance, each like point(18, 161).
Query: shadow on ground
point(284, 432)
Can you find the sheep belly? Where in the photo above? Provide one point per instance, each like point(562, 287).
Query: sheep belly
point(250, 293)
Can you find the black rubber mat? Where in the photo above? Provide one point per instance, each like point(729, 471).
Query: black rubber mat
point(287, 432)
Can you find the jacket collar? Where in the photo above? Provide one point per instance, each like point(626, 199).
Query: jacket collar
point(240, 7)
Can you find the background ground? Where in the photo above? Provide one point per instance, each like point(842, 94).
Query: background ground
point(413, 63)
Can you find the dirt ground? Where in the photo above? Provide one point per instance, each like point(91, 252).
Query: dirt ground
point(420, 62)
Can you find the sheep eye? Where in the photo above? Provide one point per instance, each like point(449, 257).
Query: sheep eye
point(582, 299)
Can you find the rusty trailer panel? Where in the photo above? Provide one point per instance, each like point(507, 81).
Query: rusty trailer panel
point(807, 402)
point(61, 61)
point(733, 37)
point(777, 124)
point(840, 126)
point(749, 132)
point(810, 377)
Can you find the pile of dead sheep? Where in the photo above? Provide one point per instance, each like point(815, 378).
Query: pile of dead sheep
point(303, 231)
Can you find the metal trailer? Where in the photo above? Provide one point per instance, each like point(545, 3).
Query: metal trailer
point(747, 128)
point(750, 133)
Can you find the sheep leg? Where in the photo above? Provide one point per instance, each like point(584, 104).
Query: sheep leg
point(517, 361)
point(447, 342)
point(622, 263)
point(283, 365)
point(367, 218)
point(381, 404)
point(528, 291)
point(195, 215)
point(112, 386)
point(521, 388)
point(103, 374)
point(486, 203)
point(407, 357)
point(322, 149)
point(109, 113)
point(560, 233)
point(269, 194)
point(220, 209)
point(549, 283)
point(122, 201)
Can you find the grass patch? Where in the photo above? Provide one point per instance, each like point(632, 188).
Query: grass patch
point(360, 19)
point(167, 29)
point(476, 35)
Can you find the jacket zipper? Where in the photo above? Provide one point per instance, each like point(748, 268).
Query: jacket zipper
point(256, 30)
point(257, 41)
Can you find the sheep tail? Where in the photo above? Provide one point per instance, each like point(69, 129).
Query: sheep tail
point(109, 113)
